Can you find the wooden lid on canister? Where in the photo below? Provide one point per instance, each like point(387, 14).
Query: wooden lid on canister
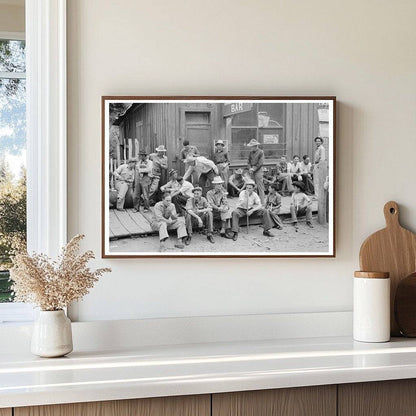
point(372, 275)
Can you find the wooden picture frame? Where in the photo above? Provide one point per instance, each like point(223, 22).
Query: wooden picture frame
point(283, 125)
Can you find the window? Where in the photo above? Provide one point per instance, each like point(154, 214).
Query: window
point(12, 155)
point(263, 122)
point(45, 27)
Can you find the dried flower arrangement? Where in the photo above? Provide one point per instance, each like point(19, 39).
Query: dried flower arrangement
point(53, 285)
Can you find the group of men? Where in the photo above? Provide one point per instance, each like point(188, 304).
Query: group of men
point(188, 202)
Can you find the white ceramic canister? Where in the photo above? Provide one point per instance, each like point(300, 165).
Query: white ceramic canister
point(371, 313)
point(52, 334)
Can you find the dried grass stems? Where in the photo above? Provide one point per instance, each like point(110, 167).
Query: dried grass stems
point(53, 285)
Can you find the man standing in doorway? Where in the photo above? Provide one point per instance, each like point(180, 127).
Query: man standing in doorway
point(142, 182)
point(255, 166)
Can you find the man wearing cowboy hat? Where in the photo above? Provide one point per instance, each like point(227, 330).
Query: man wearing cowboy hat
point(217, 198)
point(173, 183)
point(124, 176)
point(301, 204)
point(142, 181)
point(199, 212)
point(204, 168)
point(236, 183)
point(160, 163)
point(255, 166)
point(248, 204)
point(221, 159)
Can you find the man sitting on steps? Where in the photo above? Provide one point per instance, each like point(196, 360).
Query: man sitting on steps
point(248, 204)
point(165, 219)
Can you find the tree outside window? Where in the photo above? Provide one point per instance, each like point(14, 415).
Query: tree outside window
point(12, 156)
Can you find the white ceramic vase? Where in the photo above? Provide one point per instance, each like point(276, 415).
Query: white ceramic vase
point(52, 334)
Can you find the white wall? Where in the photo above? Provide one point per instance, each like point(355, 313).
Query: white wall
point(361, 51)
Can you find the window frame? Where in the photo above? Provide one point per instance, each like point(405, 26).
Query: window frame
point(46, 124)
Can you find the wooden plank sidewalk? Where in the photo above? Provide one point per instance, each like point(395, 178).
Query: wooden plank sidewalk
point(127, 224)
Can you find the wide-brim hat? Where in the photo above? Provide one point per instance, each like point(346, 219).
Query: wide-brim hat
point(253, 142)
point(300, 185)
point(250, 182)
point(239, 171)
point(172, 172)
point(142, 152)
point(220, 142)
point(197, 188)
point(132, 160)
point(217, 180)
point(318, 138)
point(161, 148)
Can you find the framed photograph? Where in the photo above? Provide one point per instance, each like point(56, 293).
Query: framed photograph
point(218, 176)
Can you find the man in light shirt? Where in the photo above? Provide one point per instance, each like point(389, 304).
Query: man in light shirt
point(217, 198)
point(248, 204)
point(319, 165)
point(204, 168)
point(320, 150)
point(189, 150)
point(181, 195)
point(165, 219)
point(124, 177)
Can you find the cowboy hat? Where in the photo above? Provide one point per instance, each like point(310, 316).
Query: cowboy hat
point(143, 152)
point(299, 185)
point(172, 172)
point(253, 142)
point(132, 160)
point(161, 148)
point(197, 188)
point(217, 180)
point(250, 182)
point(221, 142)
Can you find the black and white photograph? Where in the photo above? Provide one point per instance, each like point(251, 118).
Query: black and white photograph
point(218, 176)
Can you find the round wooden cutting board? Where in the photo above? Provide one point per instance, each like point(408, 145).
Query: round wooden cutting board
point(393, 250)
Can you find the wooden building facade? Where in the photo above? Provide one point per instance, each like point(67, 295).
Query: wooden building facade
point(281, 128)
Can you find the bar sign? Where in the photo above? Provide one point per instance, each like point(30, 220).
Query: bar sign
point(236, 108)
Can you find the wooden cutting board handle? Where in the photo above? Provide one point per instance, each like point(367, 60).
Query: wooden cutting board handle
point(391, 214)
